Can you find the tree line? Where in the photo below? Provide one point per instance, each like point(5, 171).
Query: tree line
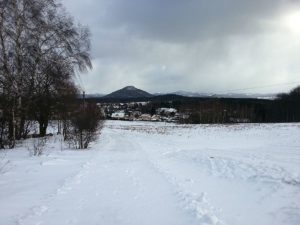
point(284, 108)
point(288, 106)
point(41, 48)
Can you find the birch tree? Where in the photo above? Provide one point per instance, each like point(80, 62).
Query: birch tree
point(41, 48)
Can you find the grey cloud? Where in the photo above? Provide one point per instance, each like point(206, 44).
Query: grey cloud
point(191, 20)
point(195, 45)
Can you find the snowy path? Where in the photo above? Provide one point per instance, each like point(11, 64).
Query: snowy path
point(118, 186)
point(148, 173)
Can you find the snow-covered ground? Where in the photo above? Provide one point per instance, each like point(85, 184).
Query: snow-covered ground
point(141, 173)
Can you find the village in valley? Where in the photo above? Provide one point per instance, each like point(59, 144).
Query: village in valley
point(140, 111)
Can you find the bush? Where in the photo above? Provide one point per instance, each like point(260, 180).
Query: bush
point(4, 134)
point(84, 126)
point(37, 146)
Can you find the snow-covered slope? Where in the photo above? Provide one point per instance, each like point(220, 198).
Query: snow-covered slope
point(156, 173)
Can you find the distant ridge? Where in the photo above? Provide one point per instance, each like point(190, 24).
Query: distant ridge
point(129, 92)
point(227, 95)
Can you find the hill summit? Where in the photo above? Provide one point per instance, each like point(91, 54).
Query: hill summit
point(128, 92)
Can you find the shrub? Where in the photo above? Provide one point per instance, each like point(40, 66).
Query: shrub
point(37, 146)
point(84, 126)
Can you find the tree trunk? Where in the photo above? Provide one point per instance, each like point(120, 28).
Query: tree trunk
point(43, 127)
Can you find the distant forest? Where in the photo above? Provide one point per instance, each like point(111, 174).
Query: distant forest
point(285, 108)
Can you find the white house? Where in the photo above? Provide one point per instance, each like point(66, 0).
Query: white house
point(166, 111)
point(118, 115)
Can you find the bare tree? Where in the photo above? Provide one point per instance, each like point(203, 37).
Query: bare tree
point(40, 50)
point(60, 50)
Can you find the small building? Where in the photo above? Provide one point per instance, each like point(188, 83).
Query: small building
point(155, 118)
point(118, 115)
point(145, 117)
point(166, 111)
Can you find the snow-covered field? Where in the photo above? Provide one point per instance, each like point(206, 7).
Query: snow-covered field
point(158, 174)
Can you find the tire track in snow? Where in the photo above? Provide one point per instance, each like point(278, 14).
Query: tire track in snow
point(138, 180)
point(66, 186)
point(195, 204)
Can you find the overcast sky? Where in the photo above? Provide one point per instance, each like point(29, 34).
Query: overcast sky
point(194, 45)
